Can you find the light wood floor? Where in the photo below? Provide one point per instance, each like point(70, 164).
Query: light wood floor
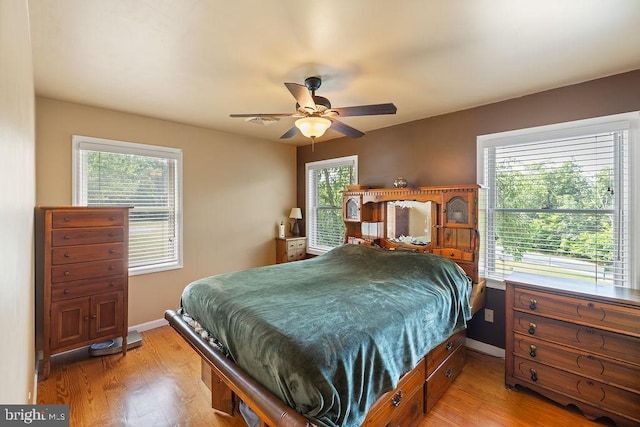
point(158, 384)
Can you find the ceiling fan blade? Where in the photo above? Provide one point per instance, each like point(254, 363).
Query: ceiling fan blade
point(366, 110)
point(262, 115)
point(302, 95)
point(345, 129)
point(291, 132)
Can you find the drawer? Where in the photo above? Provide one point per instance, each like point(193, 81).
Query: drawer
point(580, 388)
point(73, 254)
point(613, 317)
point(296, 254)
point(591, 340)
point(444, 350)
point(455, 254)
point(409, 411)
point(85, 236)
point(579, 362)
point(93, 218)
point(293, 245)
point(86, 270)
point(83, 288)
point(443, 377)
point(400, 402)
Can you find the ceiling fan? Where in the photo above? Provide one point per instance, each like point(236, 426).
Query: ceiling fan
point(315, 114)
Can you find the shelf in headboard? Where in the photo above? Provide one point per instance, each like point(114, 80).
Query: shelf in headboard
point(452, 227)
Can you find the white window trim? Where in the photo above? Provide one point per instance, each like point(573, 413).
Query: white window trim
point(338, 161)
point(630, 121)
point(109, 145)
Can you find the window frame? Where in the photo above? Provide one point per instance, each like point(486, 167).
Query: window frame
point(625, 121)
point(80, 143)
point(309, 213)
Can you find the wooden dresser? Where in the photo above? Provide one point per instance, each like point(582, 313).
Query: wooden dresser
point(290, 249)
point(82, 276)
point(576, 343)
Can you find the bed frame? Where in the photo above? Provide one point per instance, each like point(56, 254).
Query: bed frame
point(416, 393)
point(454, 225)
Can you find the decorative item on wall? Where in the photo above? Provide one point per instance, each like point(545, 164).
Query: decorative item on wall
point(400, 182)
point(295, 215)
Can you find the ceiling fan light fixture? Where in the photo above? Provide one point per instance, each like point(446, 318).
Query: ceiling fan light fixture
point(313, 127)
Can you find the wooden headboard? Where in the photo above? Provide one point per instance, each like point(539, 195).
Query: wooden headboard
point(453, 220)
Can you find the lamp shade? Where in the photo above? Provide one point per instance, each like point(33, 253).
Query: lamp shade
point(296, 213)
point(313, 126)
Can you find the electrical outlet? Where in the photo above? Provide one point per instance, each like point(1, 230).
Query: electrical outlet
point(488, 315)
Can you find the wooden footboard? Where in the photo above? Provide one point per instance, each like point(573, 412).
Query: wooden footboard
point(271, 410)
point(416, 393)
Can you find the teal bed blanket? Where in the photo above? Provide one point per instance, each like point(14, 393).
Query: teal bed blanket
point(331, 334)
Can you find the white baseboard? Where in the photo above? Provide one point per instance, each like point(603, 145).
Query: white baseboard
point(485, 348)
point(33, 396)
point(149, 325)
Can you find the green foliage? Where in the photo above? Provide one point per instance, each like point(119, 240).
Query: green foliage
point(127, 179)
point(329, 184)
point(534, 211)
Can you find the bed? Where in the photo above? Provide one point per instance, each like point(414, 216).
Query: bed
point(361, 335)
point(371, 333)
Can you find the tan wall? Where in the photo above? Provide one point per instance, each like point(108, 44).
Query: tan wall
point(17, 196)
point(236, 189)
point(442, 150)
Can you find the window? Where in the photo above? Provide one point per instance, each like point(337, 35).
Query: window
point(324, 182)
point(558, 200)
point(146, 177)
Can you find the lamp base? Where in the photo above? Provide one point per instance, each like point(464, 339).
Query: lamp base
point(295, 230)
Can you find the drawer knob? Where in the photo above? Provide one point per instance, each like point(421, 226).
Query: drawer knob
point(111, 267)
point(111, 234)
point(395, 400)
point(66, 291)
point(86, 317)
point(66, 273)
point(111, 284)
point(451, 254)
point(448, 373)
point(532, 350)
point(111, 218)
point(112, 251)
point(534, 375)
point(67, 254)
point(532, 328)
point(67, 237)
point(449, 345)
point(67, 219)
point(95, 316)
point(532, 304)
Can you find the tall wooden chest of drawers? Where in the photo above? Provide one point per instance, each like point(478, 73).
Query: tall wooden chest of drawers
point(576, 343)
point(82, 276)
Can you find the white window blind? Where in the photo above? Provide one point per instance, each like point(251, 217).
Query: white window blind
point(147, 178)
point(558, 206)
point(325, 181)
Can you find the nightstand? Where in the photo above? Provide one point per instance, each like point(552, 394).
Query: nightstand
point(290, 249)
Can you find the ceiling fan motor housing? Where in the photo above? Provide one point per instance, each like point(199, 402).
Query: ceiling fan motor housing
point(313, 83)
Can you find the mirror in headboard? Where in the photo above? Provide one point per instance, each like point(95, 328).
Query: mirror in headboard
point(409, 221)
point(442, 220)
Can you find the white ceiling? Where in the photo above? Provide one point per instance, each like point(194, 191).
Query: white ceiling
point(195, 62)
